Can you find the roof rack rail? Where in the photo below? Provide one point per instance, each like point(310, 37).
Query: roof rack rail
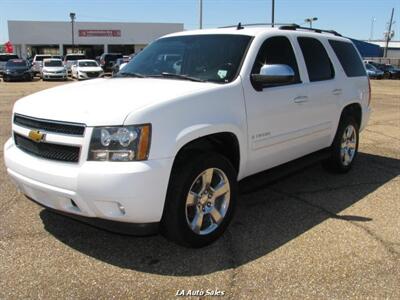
point(295, 27)
point(257, 24)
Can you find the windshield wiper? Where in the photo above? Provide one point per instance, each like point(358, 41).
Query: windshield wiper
point(128, 74)
point(179, 76)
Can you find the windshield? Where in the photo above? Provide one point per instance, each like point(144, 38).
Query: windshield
point(74, 57)
point(15, 63)
point(53, 63)
point(40, 58)
point(111, 57)
point(370, 67)
point(214, 58)
point(88, 64)
point(7, 57)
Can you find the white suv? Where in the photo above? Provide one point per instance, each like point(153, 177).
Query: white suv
point(163, 144)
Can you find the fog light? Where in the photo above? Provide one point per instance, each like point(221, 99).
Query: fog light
point(121, 208)
point(122, 156)
point(100, 155)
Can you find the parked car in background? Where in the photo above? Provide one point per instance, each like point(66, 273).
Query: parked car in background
point(162, 147)
point(119, 64)
point(4, 58)
point(17, 69)
point(392, 71)
point(86, 69)
point(373, 72)
point(71, 59)
point(37, 63)
point(53, 69)
point(379, 66)
point(107, 60)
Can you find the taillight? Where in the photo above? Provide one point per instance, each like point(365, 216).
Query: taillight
point(369, 92)
point(103, 62)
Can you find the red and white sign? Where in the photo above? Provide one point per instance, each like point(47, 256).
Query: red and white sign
point(8, 47)
point(99, 33)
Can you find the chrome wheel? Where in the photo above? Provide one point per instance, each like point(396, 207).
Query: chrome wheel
point(348, 145)
point(207, 201)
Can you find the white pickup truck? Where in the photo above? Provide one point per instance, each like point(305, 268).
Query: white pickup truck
point(162, 145)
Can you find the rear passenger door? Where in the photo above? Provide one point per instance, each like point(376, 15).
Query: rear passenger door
point(324, 89)
point(281, 119)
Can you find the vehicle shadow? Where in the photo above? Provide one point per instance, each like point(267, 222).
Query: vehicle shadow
point(267, 217)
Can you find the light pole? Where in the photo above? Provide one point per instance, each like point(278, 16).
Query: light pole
point(73, 17)
point(201, 14)
point(273, 14)
point(311, 20)
point(389, 34)
point(371, 36)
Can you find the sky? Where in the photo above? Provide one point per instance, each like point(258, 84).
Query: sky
point(352, 18)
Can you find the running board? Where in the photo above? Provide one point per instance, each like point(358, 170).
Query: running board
point(261, 180)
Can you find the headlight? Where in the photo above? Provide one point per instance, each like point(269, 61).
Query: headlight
point(127, 143)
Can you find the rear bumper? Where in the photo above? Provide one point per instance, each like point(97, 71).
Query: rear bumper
point(365, 117)
point(128, 192)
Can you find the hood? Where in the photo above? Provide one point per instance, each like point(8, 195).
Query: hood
point(90, 69)
point(102, 102)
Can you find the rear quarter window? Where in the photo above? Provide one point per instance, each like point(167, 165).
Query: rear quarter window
point(349, 58)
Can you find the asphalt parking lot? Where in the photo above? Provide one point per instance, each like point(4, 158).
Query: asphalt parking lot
point(309, 235)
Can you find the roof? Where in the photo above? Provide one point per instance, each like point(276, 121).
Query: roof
point(255, 30)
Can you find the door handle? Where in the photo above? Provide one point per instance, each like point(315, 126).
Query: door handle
point(337, 91)
point(300, 99)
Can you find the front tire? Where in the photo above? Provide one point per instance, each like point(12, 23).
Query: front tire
point(344, 148)
point(201, 199)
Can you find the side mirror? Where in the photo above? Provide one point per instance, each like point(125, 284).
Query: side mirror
point(273, 75)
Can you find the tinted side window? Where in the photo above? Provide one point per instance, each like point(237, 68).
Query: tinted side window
point(276, 50)
point(318, 64)
point(348, 57)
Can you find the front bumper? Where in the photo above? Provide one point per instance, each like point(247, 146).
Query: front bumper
point(16, 76)
point(130, 192)
point(55, 75)
point(83, 75)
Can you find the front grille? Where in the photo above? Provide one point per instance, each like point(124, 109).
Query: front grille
point(46, 150)
point(92, 74)
point(49, 126)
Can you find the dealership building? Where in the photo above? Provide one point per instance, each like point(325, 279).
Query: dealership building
point(92, 38)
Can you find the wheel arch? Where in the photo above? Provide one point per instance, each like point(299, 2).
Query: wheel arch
point(225, 140)
point(354, 109)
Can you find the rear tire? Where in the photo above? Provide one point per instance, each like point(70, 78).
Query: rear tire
point(344, 148)
point(201, 199)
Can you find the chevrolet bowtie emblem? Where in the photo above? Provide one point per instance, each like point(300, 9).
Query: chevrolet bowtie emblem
point(36, 136)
